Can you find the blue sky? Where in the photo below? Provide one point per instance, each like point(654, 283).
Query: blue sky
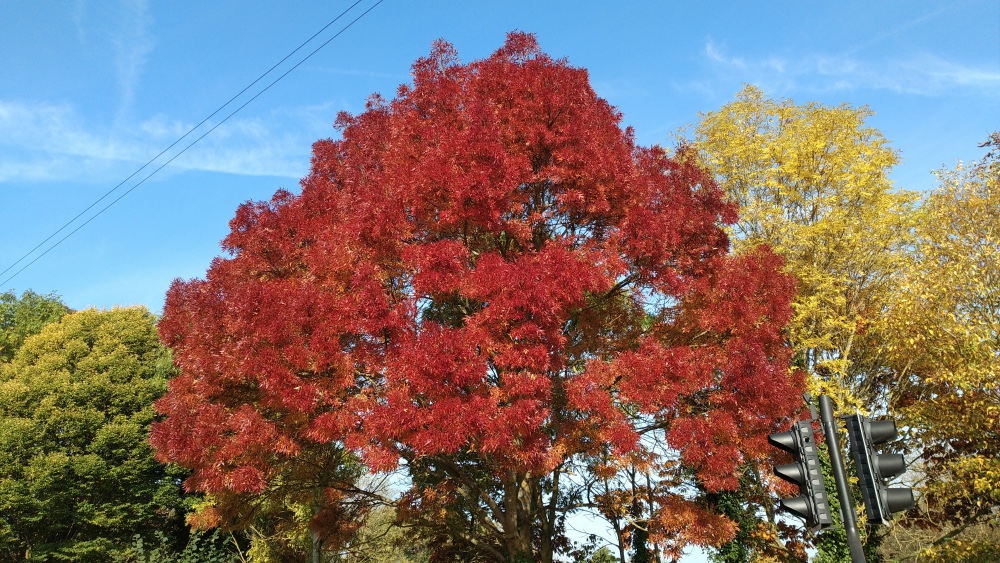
point(89, 91)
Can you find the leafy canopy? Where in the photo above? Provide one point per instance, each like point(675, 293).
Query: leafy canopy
point(77, 475)
point(25, 316)
point(812, 181)
point(486, 279)
point(944, 347)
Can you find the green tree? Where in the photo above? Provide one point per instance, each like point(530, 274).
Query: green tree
point(202, 547)
point(603, 555)
point(383, 539)
point(78, 480)
point(25, 316)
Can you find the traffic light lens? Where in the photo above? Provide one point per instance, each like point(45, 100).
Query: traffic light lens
point(783, 440)
point(798, 506)
point(791, 472)
point(882, 431)
point(899, 499)
point(890, 465)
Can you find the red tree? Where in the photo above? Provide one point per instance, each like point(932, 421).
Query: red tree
point(487, 278)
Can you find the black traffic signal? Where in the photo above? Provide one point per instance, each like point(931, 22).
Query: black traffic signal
point(874, 468)
point(805, 472)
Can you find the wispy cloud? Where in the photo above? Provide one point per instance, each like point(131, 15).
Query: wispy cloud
point(925, 75)
point(900, 28)
point(717, 54)
point(57, 130)
point(920, 74)
point(133, 44)
point(53, 143)
point(356, 72)
point(79, 17)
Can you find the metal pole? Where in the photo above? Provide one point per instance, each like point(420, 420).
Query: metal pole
point(840, 477)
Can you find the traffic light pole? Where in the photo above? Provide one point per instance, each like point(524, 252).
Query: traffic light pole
point(840, 477)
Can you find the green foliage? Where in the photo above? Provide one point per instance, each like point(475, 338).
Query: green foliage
point(202, 547)
point(25, 316)
point(760, 536)
point(592, 549)
point(831, 544)
point(382, 539)
point(603, 555)
point(735, 505)
point(640, 546)
point(77, 476)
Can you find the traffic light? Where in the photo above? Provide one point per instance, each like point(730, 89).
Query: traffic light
point(873, 468)
point(805, 472)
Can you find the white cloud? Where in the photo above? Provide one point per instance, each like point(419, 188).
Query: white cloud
point(46, 142)
point(356, 72)
point(715, 54)
point(79, 16)
point(945, 72)
point(921, 74)
point(133, 44)
point(55, 129)
point(38, 171)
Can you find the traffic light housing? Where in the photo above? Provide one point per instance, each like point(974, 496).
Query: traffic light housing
point(874, 468)
point(812, 504)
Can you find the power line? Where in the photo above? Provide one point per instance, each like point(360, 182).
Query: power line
point(182, 137)
point(172, 145)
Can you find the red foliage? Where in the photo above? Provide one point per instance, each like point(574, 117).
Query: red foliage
point(486, 264)
point(685, 522)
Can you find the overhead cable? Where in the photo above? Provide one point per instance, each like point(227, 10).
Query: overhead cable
point(182, 137)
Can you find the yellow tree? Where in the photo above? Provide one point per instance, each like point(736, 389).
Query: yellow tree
point(943, 344)
point(812, 181)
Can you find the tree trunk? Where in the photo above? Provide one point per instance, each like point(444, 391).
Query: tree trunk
point(523, 517)
point(315, 547)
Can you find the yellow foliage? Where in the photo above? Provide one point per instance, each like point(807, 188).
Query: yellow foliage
point(812, 182)
point(945, 339)
point(899, 304)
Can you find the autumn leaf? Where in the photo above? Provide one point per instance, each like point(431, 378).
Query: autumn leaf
point(484, 281)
